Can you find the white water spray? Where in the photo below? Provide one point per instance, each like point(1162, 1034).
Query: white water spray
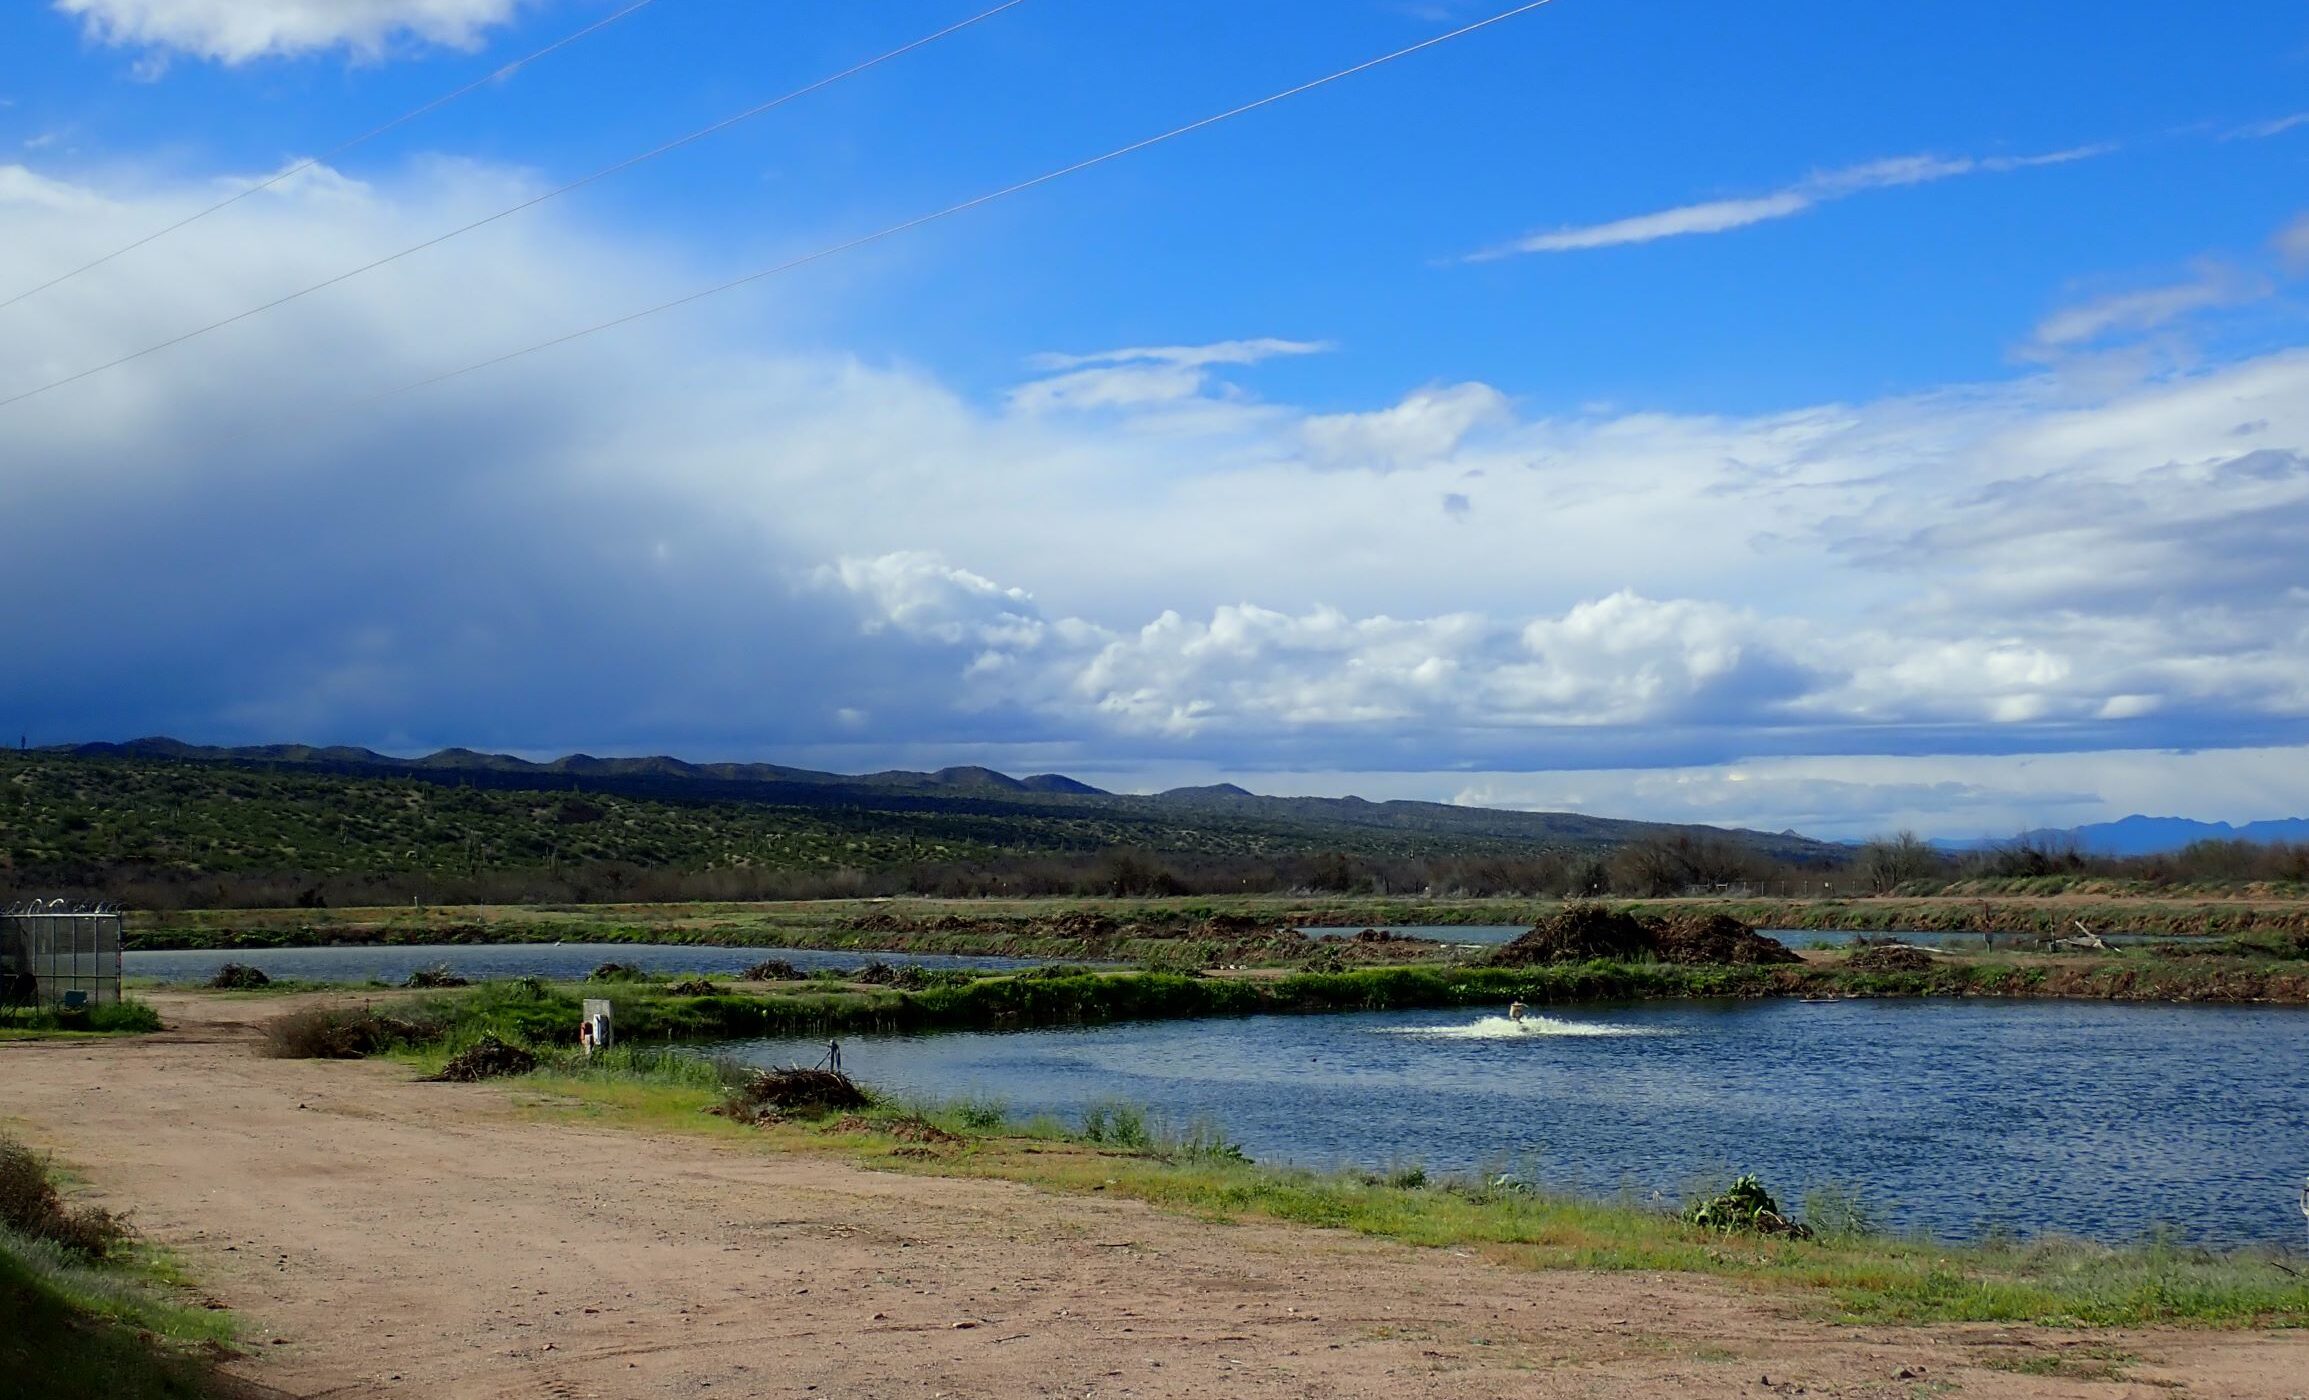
point(1531, 1027)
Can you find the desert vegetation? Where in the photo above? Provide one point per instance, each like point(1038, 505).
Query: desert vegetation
point(89, 1310)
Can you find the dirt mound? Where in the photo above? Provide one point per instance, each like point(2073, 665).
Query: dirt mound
point(1233, 926)
point(772, 970)
point(769, 1094)
point(486, 1058)
point(693, 987)
point(1718, 939)
point(1077, 923)
point(1582, 933)
point(239, 977)
point(1889, 957)
point(1591, 932)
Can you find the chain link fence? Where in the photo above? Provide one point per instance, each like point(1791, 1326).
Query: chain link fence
point(57, 955)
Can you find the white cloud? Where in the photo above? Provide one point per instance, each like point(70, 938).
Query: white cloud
point(1724, 215)
point(236, 31)
point(1427, 426)
point(923, 596)
point(598, 548)
point(1142, 376)
point(2292, 244)
point(2213, 285)
point(2276, 126)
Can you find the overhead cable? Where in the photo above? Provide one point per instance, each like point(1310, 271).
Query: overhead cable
point(532, 202)
point(496, 75)
point(975, 202)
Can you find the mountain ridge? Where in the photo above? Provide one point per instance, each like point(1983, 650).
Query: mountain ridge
point(965, 789)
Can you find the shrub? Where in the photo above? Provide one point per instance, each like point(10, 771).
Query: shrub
point(1744, 1206)
point(31, 1205)
point(1117, 1125)
point(336, 1033)
point(239, 977)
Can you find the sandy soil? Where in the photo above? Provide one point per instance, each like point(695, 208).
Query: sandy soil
point(386, 1238)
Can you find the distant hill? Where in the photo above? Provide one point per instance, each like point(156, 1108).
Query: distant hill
point(151, 792)
point(2142, 836)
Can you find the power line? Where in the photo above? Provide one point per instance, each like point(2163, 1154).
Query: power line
point(495, 76)
point(976, 201)
point(555, 193)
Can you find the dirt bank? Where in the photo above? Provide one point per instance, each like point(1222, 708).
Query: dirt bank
point(386, 1237)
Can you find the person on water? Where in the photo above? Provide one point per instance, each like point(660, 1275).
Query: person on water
point(1515, 1012)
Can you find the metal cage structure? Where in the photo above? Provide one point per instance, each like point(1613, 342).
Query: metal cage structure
point(59, 955)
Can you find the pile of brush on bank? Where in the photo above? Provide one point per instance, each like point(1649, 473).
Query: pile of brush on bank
point(1595, 933)
point(772, 1095)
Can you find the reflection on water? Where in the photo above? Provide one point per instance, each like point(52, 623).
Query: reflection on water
point(2092, 1119)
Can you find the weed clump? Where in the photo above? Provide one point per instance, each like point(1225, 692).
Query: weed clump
point(1744, 1207)
point(239, 977)
point(435, 977)
point(31, 1205)
point(336, 1033)
point(486, 1058)
point(767, 1095)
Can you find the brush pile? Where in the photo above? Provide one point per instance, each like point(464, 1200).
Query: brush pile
point(906, 976)
point(1718, 938)
point(436, 976)
point(239, 977)
point(1595, 933)
point(767, 1095)
point(486, 1058)
point(772, 970)
point(693, 987)
point(616, 972)
point(1889, 957)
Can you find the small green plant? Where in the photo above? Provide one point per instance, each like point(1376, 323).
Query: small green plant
point(982, 1115)
point(1117, 1124)
point(1744, 1207)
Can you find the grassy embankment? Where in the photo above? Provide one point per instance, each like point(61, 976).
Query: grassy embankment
point(653, 1010)
point(1849, 1272)
point(125, 1017)
point(1147, 927)
point(88, 1312)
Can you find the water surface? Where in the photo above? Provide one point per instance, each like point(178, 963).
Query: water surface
point(1957, 1117)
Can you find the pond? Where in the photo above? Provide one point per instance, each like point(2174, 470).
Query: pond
point(1955, 1117)
point(562, 962)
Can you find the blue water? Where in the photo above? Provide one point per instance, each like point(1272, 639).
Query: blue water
point(2089, 1119)
point(566, 962)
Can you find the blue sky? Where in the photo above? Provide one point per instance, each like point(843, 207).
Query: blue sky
point(1826, 416)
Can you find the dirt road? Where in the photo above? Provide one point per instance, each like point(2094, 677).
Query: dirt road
point(387, 1238)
